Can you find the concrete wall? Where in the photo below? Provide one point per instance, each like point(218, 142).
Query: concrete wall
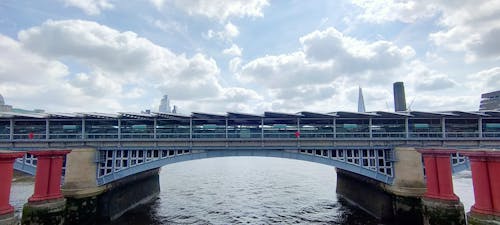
point(398, 203)
point(128, 193)
point(88, 203)
point(370, 196)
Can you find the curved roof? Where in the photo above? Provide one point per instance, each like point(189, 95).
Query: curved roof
point(495, 114)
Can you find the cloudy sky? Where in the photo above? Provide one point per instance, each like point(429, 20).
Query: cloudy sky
point(247, 55)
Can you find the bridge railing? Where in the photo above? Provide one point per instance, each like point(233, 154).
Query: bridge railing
point(461, 134)
point(425, 134)
point(280, 135)
point(352, 135)
point(491, 134)
point(244, 135)
point(101, 135)
point(253, 135)
point(137, 135)
point(65, 136)
point(316, 135)
point(389, 134)
point(30, 136)
point(173, 135)
point(209, 135)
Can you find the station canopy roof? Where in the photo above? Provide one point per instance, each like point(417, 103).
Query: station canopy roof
point(423, 114)
point(468, 114)
point(97, 115)
point(354, 114)
point(307, 114)
point(165, 115)
point(268, 116)
point(238, 115)
point(393, 114)
point(281, 115)
point(24, 115)
point(200, 115)
point(495, 113)
point(64, 115)
point(134, 115)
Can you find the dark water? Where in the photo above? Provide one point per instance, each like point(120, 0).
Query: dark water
point(247, 190)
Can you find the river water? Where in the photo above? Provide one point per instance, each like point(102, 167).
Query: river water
point(248, 190)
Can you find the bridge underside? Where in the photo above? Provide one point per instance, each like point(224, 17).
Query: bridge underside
point(115, 163)
point(129, 162)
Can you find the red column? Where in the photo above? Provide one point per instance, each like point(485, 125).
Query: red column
point(48, 174)
point(7, 159)
point(485, 167)
point(437, 164)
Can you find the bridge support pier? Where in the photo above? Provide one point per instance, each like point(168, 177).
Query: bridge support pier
point(80, 187)
point(485, 166)
point(399, 203)
point(440, 204)
point(128, 193)
point(88, 203)
point(47, 205)
point(7, 159)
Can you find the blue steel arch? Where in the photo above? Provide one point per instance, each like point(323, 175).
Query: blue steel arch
point(459, 163)
point(372, 172)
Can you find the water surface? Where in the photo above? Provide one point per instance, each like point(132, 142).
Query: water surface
point(248, 190)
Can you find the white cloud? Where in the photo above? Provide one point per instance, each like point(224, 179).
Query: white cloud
point(169, 26)
point(425, 79)
point(229, 32)
point(234, 50)
point(326, 56)
point(121, 66)
point(379, 11)
point(285, 70)
point(17, 64)
point(30, 81)
point(469, 26)
point(351, 54)
point(217, 9)
point(96, 84)
point(235, 64)
point(90, 7)
point(326, 72)
point(486, 80)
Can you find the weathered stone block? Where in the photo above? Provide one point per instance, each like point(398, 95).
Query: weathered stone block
point(443, 212)
point(44, 213)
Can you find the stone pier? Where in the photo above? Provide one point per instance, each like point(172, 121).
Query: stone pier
point(398, 203)
point(88, 203)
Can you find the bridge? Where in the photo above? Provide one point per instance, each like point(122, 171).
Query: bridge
point(376, 145)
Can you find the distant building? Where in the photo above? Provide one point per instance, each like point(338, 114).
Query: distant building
point(3, 106)
point(165, 105)
point(399, 97)
point(174, 110)
point(361, 101)
point(490, 101)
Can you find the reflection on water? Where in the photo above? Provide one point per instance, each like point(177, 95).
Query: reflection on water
point(250, 190)
point(19, 194)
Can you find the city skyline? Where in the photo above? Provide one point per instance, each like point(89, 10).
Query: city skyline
point(247, 56)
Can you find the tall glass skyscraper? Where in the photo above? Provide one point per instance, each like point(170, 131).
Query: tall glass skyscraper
point(165, 105)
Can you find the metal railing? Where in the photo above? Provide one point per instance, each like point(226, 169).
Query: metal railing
point(253, 135)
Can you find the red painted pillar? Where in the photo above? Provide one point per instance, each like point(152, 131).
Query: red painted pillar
point(48, 174)
point(437, 164)
point(7, 159)
point(485, 167)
